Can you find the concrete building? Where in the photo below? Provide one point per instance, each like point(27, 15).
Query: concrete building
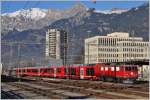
point(56, 44)
point(115, 47)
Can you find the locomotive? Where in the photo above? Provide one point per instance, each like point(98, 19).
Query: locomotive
point(101, 72)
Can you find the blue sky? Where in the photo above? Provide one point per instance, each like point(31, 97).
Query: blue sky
point(11, 6)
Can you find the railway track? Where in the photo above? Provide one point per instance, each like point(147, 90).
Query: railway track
point(138, 91)
point(54, 93)
point(10, 94)
point(98, 94)
point(59, 92)
point(78, 89)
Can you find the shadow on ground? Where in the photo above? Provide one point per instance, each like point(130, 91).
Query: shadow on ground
point(5, 78)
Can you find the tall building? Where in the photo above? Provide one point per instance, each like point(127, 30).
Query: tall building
point(115, 47)
point(56, 44)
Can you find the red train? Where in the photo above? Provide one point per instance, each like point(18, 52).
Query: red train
point(92, 72)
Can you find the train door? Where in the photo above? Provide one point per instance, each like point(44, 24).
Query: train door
point(81, 73)
point(54, 72)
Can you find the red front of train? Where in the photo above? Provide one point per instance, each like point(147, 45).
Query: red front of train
point(117, 73)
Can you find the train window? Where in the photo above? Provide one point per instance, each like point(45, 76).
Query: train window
point(117, 68)
point(134, 68)
point(106, 68)
point(51, 70)
point(58, 70)
point(90, 64)
point(112, 69)
point(45, 70)
point(67, 70)
point(73, 71)
point(128, 68)
point(35, 70)
point(90, 71)
point(24, 70)
point(28, 70)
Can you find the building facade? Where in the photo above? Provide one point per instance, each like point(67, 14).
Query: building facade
point(56, 44)
point(115, 47)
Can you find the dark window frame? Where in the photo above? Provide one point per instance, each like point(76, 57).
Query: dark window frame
point(90, 71)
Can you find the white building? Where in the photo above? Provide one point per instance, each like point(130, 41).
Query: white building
point(56, 41)
point(115, 47)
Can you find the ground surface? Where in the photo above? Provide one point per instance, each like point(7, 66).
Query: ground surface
point(13, 88)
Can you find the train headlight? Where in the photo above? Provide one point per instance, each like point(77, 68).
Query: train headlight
point(131, 73)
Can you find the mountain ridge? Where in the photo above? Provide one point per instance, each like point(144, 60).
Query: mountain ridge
point(36, 18)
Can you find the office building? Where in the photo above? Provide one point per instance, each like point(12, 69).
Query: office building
point(115, 47)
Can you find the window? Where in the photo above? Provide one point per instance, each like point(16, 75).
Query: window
point(51, 70)
point(24, 70)
point(117, 68)
point(58, 70)
point(134, 68)
point(112, 69)
point(106, 68)
point(66, 71)
point(45, 70)
point(90, 71)
point(73, 71)
point(90, 64)
point(127, 68)
point(34, 70)
point(48, 70)
point(28, 70)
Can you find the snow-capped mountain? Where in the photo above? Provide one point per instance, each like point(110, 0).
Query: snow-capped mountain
point(33, 13)
point(36, 18)
point(112, 11)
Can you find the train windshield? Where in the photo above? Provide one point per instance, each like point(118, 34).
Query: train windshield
point(131, 68)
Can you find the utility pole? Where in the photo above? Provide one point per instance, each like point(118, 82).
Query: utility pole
point(88, 45)
point(132, 58)
point(10, 59)
point(19, 60)
point(65, 50)
point(88, 53)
